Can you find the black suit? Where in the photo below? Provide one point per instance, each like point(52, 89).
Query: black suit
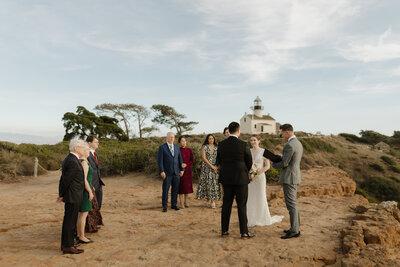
point(234, 158)
point(71, 188)
point(96, 180)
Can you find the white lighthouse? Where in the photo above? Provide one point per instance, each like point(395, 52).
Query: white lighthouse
point(257, 123)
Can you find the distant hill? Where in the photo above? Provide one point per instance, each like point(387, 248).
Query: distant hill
point(30, 139)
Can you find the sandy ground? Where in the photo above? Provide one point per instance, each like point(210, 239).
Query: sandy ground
point(137, 233)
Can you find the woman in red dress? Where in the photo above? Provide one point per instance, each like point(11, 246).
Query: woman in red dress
point(185, 186)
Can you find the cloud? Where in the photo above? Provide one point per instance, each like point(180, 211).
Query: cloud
point(380, 89)
point(384, 47)
point(266, 37)
point(157, 47)
point(75, 68)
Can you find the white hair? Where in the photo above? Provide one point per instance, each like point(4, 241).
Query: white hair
point(170, 133)
point(76, 143)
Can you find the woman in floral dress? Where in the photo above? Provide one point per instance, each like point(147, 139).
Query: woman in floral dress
point(208, 182)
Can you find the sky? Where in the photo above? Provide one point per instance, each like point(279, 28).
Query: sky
point(321, 65)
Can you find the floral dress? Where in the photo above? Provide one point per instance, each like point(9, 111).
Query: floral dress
point(208, 182)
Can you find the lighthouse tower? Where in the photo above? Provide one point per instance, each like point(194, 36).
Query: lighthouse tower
point(258, 108)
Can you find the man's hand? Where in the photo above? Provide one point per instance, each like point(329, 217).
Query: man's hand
point(181, 173)
point(59, 199)
point(163, 175)
point(184, 165)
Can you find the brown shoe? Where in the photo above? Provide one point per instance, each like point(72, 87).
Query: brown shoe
point(71, 250)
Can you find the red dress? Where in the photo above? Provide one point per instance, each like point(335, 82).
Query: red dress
point(186, 186)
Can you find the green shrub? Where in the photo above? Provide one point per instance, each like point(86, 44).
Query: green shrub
point(395, 169)
point(364, 193)
point(352, 138)
point(388, 160)
point(376, 167)
point(382, 189)
point(312, 145)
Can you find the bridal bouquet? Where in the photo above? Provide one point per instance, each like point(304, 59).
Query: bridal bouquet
point(252, 172)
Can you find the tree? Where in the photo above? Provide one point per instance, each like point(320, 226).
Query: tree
point(125, 112)
point(167, 116)
point(117, 110)
point(372, 137)
point(85, 123)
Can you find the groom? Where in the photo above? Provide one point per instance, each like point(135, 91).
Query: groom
point(290, 177)
point(235, 161)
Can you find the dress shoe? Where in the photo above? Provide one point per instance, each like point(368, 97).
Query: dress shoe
point(175, 208)
point(71, 250)
point(286, 231)
point(164, 209)
point(291, 235)
point(224, 233)
point(85, 242)
point(247, 235)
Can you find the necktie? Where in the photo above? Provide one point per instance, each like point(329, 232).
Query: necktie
point(171, 148)
point(95, 157)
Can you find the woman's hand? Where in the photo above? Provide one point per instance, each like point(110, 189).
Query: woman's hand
point(184, 165)
point(259, 171)
point(90, 195)
point(215, 169)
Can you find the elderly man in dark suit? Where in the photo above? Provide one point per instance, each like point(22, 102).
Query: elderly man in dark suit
point(170, 166)
point(234, 158)
point(290, 177)
point(71, 188)
point(93, 159)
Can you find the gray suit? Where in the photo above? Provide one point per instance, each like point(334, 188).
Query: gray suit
point(291, 178)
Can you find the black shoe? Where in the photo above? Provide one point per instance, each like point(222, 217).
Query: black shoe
point(224, 233)
point(247, 235)
point(164, 209)
point(286, 231)
point(175, 208)
point(291, 235)
point(85, 242)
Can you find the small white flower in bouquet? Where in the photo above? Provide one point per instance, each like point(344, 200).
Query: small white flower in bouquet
point(253, 172)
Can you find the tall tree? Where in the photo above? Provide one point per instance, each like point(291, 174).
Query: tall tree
point(141, 114)
point(167, 116)
point(118, 111)
point(126, 112)
point(85, 123)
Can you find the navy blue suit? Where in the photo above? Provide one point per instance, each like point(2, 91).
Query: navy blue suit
point(172, 166)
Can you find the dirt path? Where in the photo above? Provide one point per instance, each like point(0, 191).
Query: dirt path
point(137, 233)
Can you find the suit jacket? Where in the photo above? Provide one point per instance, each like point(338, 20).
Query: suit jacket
point(234, 158)
point(290, 164)
point(96, 180)
point(72, 181)
point(171, 165)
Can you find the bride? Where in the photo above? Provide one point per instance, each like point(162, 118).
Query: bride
point(257, 205)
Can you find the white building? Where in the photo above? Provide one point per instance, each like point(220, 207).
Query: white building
point(257, 123)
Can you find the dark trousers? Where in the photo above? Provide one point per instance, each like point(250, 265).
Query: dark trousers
point(174, 182)
point(99, 195)
point(69, 224)
point(230, 192)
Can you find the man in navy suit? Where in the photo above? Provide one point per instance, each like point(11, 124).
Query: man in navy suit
point(170, 166)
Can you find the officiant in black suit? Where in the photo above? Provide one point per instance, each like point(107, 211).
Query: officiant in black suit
point(70, 191)
point(93, 159)
point(235, 161)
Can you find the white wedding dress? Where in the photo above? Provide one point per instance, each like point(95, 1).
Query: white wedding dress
point(257, 205)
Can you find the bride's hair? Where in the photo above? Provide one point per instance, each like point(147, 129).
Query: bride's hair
point(256, 136)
